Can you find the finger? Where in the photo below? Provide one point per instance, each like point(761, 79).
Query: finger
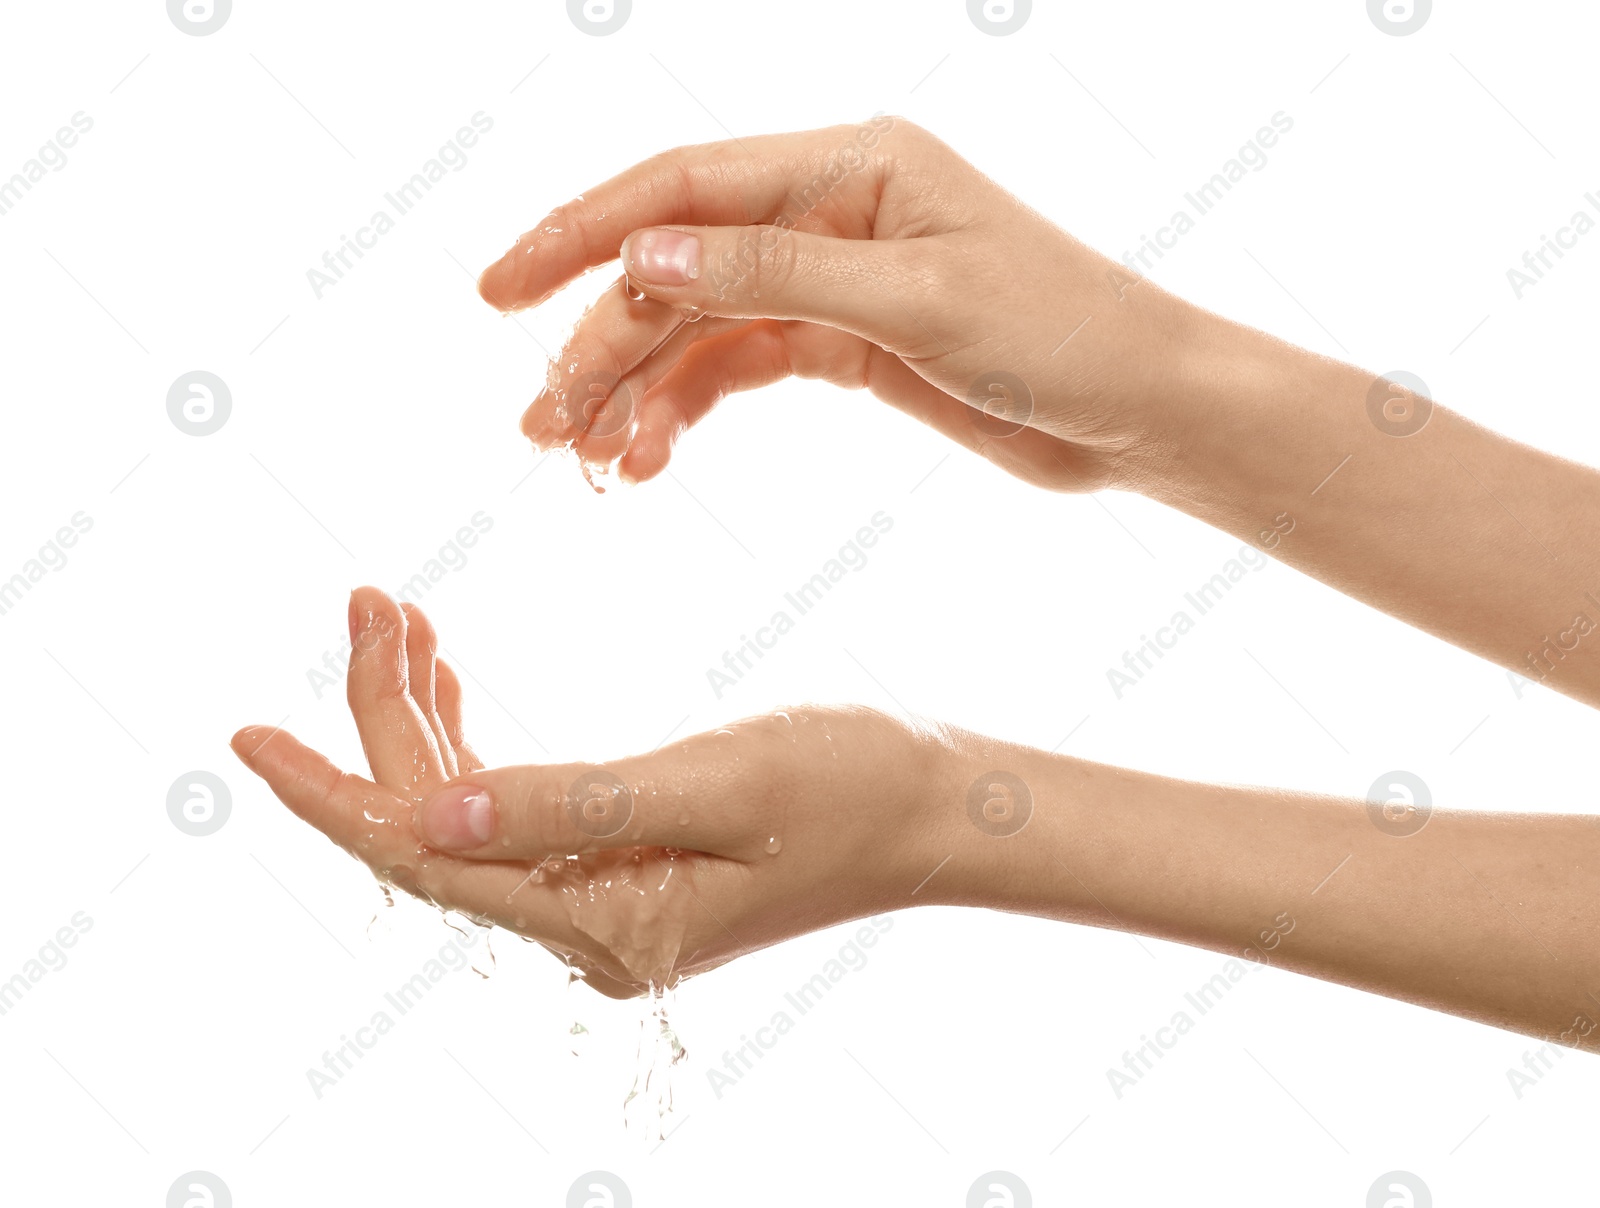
point(613, 336)
point(864, 286)
point(747, 180)
point(714, 793)
point(356, 814)
point(376, 826)
point(611, 432)
point(447, 693)
point(399, 743)
point(762, 352)
point(422, 650)
point(744, 358)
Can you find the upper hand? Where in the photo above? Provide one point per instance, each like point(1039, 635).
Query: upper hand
point(867, 256)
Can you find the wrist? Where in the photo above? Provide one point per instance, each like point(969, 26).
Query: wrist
point(1247, 411)
point(1002, 827)
point(1184, 388)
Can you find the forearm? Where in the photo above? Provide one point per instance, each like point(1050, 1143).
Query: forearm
point(1495, 917)
point(1487, 543)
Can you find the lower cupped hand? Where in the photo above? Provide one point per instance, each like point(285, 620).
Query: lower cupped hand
point(638, 872)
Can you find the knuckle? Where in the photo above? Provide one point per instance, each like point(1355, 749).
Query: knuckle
point(776, 258)
point(768, 768)
point(344, 785)
point(906, 128)
point(600, 354)
point(593, 806)
point(570, 218)
point(775, 765)
point(532, 820)
point(671, 175)
point(903, 135)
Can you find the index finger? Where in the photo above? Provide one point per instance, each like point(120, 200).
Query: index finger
point(733, 183)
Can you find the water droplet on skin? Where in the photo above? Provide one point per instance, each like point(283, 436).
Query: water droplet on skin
point(635, 294)
point(683, 819)
point(774, 845)
point(693, 314)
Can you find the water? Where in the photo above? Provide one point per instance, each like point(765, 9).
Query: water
point(488, 947)
point(648, 1102)
point(590, 469)
point(564, 368)
point(630, 907)
point(627, 902)
point(388, 902)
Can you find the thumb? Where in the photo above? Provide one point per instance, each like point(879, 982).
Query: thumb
point(666, 799)
point(777, 272)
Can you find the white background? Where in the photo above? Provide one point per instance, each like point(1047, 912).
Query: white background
point(369, 425)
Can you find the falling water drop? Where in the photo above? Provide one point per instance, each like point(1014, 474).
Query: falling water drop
point(489, 948)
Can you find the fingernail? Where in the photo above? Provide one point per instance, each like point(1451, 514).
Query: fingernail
point(458, 817)
point(659, 256)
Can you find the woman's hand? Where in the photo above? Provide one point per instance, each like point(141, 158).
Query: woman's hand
point(867, 256)
point(640, 872)
point(875, 256)
point(650, 869)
